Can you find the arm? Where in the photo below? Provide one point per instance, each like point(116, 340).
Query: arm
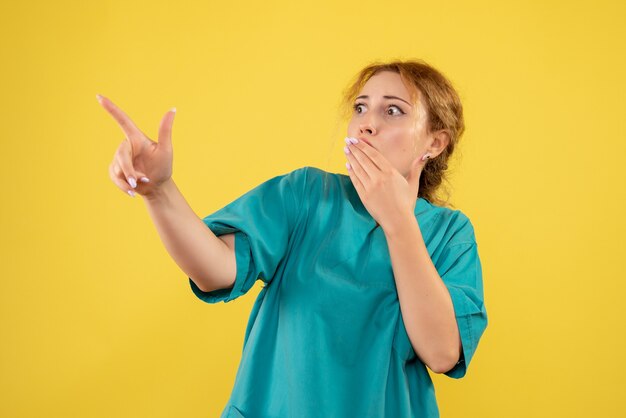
point(208, 259)
point(425, 302)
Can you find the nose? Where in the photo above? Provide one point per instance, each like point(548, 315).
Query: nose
point(367, 127)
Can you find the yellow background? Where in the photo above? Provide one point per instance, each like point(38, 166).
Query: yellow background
point(98, 321)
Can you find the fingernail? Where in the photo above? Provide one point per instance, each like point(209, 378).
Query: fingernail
point(132, 182)
point(346, 149)
point(348, 166)
point(144, 179)
point(99, 98)
point(131, 193)
point(173, 109)
point(354, 140)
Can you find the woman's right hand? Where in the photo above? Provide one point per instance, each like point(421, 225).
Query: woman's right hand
point(140, 165)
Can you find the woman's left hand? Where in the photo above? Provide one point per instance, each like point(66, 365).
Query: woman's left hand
point(385, 193)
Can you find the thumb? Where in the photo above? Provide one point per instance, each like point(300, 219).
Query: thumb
point(165, 130)
point(141, 176)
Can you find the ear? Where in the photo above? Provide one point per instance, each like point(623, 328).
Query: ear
point(440, 141)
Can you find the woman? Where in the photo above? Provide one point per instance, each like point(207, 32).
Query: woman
point(367, 280)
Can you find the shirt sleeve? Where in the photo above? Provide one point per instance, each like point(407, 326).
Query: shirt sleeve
point(263, 220)
point(461, 272)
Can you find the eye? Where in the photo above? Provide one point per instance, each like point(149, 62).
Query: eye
point(356, 107)
point(399, 110)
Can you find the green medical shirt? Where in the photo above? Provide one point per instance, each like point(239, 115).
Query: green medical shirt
point(325, 337)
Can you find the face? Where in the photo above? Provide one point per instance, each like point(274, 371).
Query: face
point(395, 127)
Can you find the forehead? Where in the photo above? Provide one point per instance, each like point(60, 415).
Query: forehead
point(386, 83)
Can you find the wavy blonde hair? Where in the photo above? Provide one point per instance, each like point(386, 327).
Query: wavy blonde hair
point(432, 93)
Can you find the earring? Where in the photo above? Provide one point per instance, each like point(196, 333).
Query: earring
point(426, 156)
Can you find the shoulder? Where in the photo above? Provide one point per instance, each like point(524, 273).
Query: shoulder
point(302, 175)
point(308, 178)
point(302, 183)
point(454, 226)
point(311, 173)
point(295, 179)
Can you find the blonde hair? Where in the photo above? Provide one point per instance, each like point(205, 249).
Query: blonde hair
point(432, 93)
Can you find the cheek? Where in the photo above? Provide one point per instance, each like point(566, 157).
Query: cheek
point(395, 155)
point(352, 127)
point(401, 144)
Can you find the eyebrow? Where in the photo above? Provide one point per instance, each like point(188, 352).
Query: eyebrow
point(386, 97)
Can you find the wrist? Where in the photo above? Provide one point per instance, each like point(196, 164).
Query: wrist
point(400, 225)
point(159, 192)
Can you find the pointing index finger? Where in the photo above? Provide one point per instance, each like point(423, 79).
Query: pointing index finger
point(127, 125)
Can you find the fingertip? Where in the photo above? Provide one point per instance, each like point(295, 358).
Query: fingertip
point(142, 177)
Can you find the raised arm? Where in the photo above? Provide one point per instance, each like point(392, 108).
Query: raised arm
point(207, 259)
